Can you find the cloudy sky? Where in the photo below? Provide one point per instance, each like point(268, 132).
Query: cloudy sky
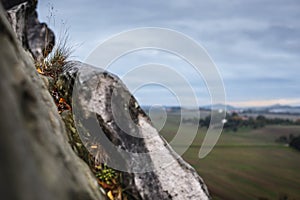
point(255, 44)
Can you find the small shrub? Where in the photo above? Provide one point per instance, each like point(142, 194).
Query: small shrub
point(295, 143)
point(53, 64)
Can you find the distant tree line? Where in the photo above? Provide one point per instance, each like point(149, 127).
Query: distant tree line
point(234, 121)
point(285, 139)
point(295, 143)
point(291, 140)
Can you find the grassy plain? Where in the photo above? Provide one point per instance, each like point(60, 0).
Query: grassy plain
point(247, 164)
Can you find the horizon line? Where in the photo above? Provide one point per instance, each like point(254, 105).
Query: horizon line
point(247, 104)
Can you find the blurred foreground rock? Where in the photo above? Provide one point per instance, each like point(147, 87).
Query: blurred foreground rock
point(36, 160)
point(33, 35)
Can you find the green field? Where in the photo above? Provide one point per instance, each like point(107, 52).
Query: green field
point(247, 164)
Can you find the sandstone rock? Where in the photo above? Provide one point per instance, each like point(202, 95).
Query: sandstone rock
point(34, 36)
point(110, 117)
point(37, 162)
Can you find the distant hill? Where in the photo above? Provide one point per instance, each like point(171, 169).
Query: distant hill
point(284, 109)
point(220, 107)
point(277, 108)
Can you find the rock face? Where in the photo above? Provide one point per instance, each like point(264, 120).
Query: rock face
point(34, 36)
point(36, 159)
point(111, 118)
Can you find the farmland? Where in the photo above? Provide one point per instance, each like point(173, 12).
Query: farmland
point(247, 164)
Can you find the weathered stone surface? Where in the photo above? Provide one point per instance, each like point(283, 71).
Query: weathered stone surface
point(34, 36)
point(37, 162)
point(7, 4)
point(109, 114)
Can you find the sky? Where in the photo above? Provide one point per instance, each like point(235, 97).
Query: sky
point(254, 44)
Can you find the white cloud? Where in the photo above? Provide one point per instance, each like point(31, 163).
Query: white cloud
point(255, 43)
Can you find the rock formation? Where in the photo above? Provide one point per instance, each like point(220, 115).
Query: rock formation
point(37, 161)
point(34, 36)
point(114, 117)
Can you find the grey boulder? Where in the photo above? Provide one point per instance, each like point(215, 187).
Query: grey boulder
point(109, 117)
